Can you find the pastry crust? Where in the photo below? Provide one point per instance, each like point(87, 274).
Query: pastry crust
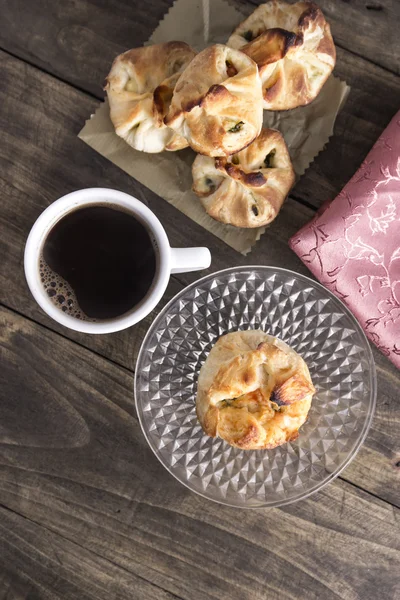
point(248, 188)
point(140, 87)
point(254, 391)
point(293, 48)
point(217, 102)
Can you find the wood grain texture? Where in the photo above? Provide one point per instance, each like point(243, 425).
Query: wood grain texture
point(90, 507)
point(78, 40)
point(40, 564)
point(378, 460)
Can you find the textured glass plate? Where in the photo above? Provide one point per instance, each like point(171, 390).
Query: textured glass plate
point(311, 320)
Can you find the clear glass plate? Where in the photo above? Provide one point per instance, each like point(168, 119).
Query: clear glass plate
point(306, 316)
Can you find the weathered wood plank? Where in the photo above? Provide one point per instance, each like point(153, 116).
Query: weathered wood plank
point(42, 159)
point(41, 564)
point(76, 462)
point(78, 40)
point(12, 587)
point(378, 460)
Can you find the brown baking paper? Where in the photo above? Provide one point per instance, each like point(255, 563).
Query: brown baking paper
point(168, 174)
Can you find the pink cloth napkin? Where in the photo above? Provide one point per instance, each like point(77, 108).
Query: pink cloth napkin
point(353, 243)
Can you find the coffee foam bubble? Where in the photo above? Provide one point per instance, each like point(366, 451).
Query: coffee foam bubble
point(60, 292)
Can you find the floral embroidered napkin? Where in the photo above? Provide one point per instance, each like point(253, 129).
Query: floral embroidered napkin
point(353, 244)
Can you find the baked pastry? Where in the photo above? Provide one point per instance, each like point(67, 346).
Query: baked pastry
point(293, 48)
point(254, 391)
point(217, 102)
point(248, 188)
point(139, 88)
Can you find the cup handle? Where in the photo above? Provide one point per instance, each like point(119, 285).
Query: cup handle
point(189, 259)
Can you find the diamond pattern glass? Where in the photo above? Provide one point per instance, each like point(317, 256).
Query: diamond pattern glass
point(306, 316)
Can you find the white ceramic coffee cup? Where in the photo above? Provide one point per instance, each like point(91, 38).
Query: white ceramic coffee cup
point(169, 260)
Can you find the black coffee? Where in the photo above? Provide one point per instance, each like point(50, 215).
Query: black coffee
point(98, 263)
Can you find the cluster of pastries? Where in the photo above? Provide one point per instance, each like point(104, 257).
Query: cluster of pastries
point(168, 97)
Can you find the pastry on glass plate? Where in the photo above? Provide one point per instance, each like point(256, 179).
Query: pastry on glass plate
point(248, 188)
point(254, 391)
point(293, 48)
point(217, 102)
point(139, 89)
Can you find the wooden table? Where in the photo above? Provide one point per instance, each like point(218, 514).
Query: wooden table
point(86, 510)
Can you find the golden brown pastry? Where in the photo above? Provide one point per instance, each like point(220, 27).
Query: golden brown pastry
point(254, 391)
point(139, 88)
point(217, 102)
point(248, 188)
point(293, 48)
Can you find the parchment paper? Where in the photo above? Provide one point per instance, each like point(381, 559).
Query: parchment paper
point(168, 174)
